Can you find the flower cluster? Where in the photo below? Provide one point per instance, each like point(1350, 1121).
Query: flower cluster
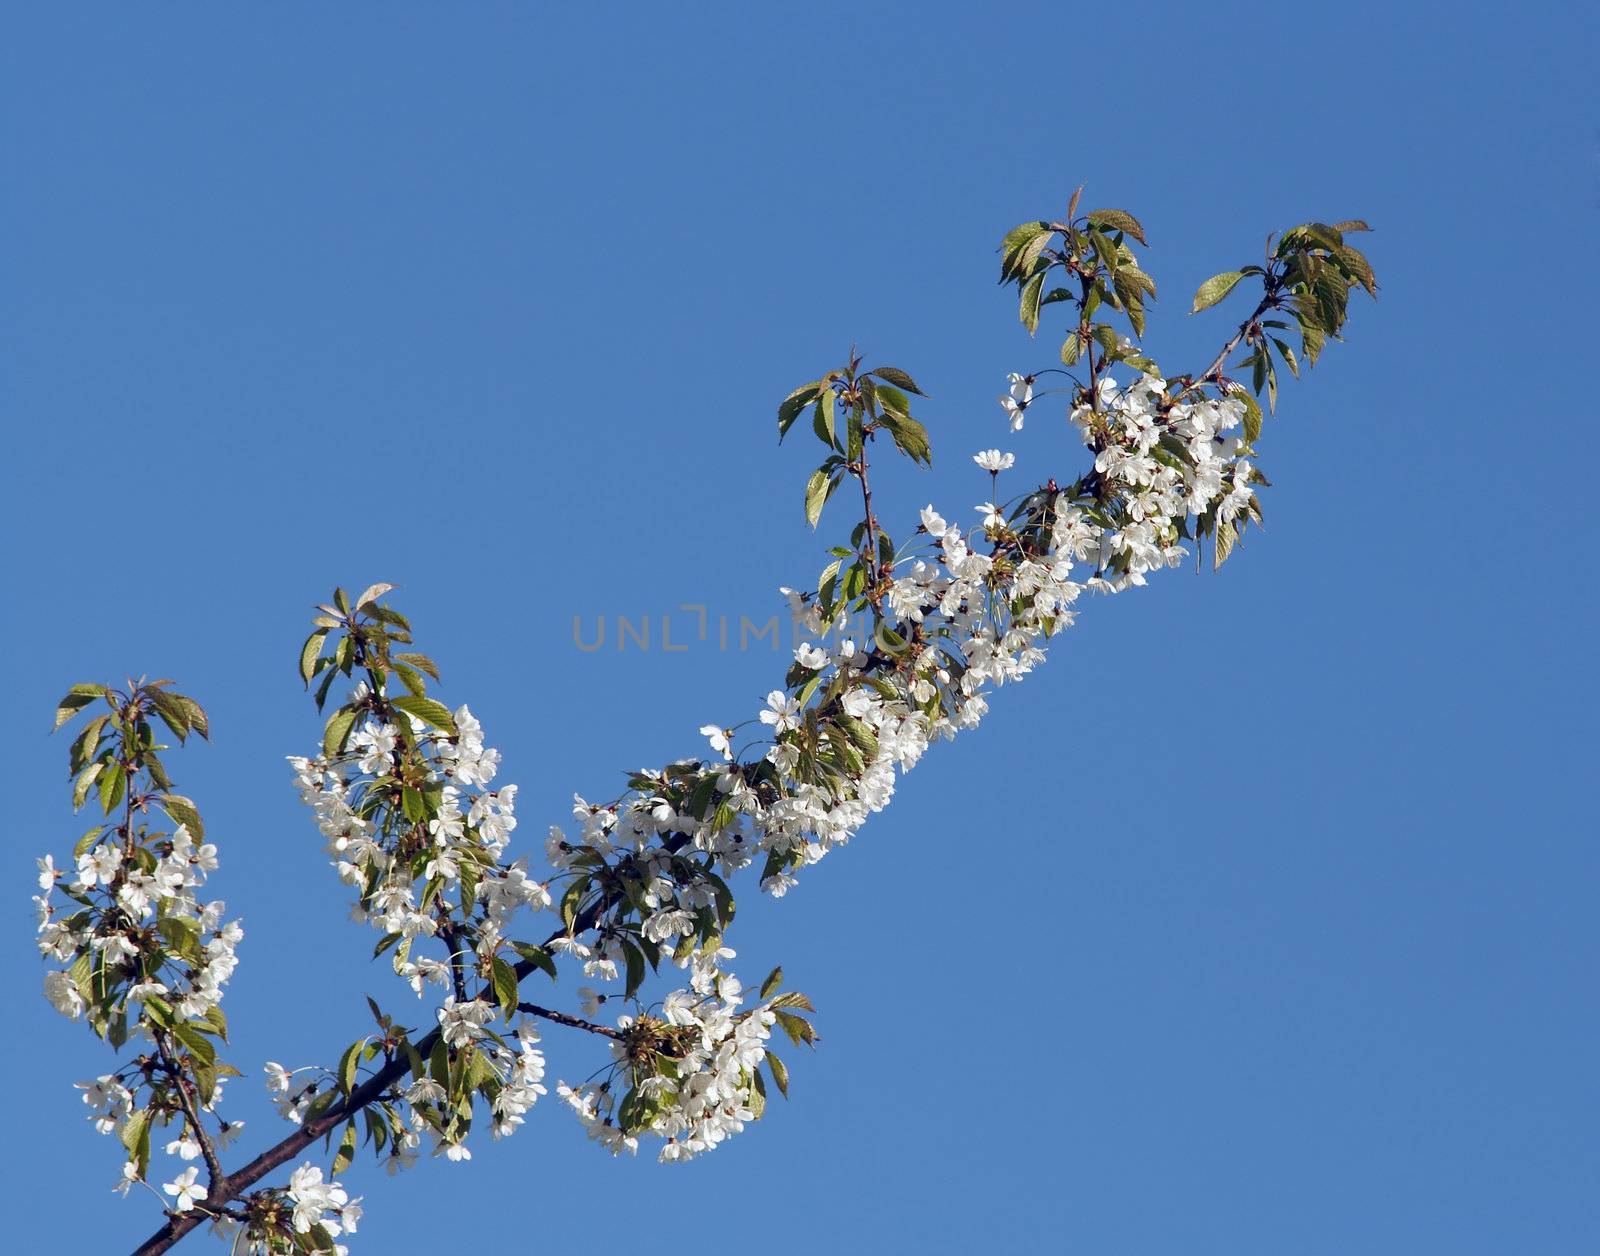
point(403, 831)
point(144, 957)
point(691, 1075)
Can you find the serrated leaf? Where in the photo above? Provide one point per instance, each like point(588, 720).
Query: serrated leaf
point(135, 1136)
point(892, 398)
point(791, 406)
point(372, 593)
point(894, 375)
point(421, 662)
point(87, 742)
point(1252, 412)
point(633, 958)
point(1215, 289)
point(1028, 309)
point(1223, 545)
point(78, 697)
point(772, 983)
point(1021, 248)
point(536, 956)
point(309, 653)
point(111, 785)
point(818, 489)
point(196, 1044)
point(1118, 220)
point(347, 1151)
point(797, 1027)
point(429, 710)
point(196, 714)
point(86, 778)
point(337, 731)
point(505, 986)
point(910, 437)
point(780, 1073)
point(184, 812)
point(172, 712)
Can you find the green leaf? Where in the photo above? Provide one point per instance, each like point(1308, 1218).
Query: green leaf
point(893, 399)
point(1252, 413)
point(1223, 545)
point(411, 679)
point(1117, 220)
point(818, 489)
point(794, 403)
point(910, 437)
point(1071, 348)
point(78, 697)
point(894, 375)
point(172, 712)
point(634, 959)
point(88, 741)
point(372, 594)
point(421, 662)
point(537, 956)
point(1021, 248)
point(135, 1135)
point(309, 653)
point(347, 1152)
point(1287, 354)
point(184, 812)
point(428, 710)
point(772, 983)
point(505, 986)
point(337, 731)
point(1215, 289)
point(780, 1073)
point(827, 404)
point(196, 1043)
point(797, 1027)
point(1028, 310)
point(86, 778)
point(196, 714)
point(112, 783)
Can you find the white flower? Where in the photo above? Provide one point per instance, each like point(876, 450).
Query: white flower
point(130, 1175)
point(185, 1190)
point(718, 737)
point(781, 712)
point(62, 992)
point(459, 1022)
point(993, 461)
point(811, 658)
point(1016, 400)
point(312, 1197)
point(185, 1147)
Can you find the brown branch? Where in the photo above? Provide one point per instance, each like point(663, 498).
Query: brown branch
point(231, 1187)
point(562, 1018)
point(191, 1112)
point(1214, 371)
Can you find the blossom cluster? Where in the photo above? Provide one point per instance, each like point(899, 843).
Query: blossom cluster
point(143, 957)
point(690, 1075)
point(399, 850)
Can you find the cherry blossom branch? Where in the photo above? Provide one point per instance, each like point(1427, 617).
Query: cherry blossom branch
point(190, 1111)
point(573, 1022)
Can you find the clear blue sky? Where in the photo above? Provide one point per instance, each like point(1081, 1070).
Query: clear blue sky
point(496, 302)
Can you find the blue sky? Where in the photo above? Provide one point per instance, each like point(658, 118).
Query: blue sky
point(1260, 921)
